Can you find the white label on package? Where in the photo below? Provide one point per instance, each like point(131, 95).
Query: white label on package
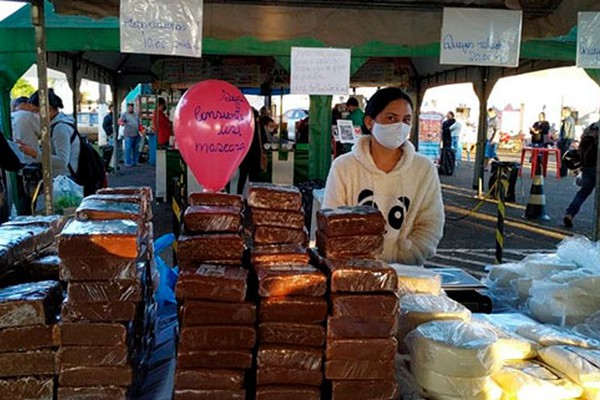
point(320, 71)
point(171, 27)
point(211, 270)
point(588, 40)
point(481, 37)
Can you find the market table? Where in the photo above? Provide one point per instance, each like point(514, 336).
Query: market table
point(544, 152)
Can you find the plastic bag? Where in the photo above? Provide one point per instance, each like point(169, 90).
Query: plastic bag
point(413, 279)
point(66, 196)
point(510, 346)
point(581, 251)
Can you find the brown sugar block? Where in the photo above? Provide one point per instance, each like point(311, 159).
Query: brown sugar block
point(364, 306)
point(95, 376)
point(361, 276)
point(113, 291)
point(143, 202)
point(30, 363)
point(212, 282)
point(44, 268)
point(96, 334)
point(211, 394)
point(345, 327)
point(98, 209)
point(54, 222)
point(26, 338)
point(359, 370)
point(218, 359)
point(92, 393)
point(204, 379)
point(291, 280)
point(287, 376)
point(119, 238)
point(27, 388)
point(292, 357)
point(216, 200)
point(215, 246)
point(18, 242)
point(275, 235)
point(274, 254)
point(361, 390)
point(287, 333)
point(277, 218)
point(349, 246)
point(276, 392)
point(274, 197)
point(194, 313)
point(215, 337)
point(204, 219)
point(144, 191)
point(350, 221)
point(300, 310)
point(361, 349)
point(98, 269)
point(99, 311)
point(92, 356)
point(30, 304)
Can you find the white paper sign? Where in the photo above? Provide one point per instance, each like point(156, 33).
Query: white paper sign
point(588, 40)
point(172, 27)
point(473, 36)
point(320, 71)
point(345, 131)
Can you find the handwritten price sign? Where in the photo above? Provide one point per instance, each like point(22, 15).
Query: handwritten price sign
point(481, 37)
point(320, 71)
point(588, 40)
point(171, 27)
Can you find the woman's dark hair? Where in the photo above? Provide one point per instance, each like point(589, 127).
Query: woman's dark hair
point(451, 114)
point(381, 99)
point(53, 100)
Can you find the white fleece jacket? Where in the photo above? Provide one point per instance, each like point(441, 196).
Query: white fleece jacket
point(409, 197)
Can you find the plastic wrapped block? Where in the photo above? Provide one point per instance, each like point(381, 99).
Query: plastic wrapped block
point(99, 311)
point(194, 313)
point(415, 280)
point(92, 356)
point(274, 254)
point(17, 243)
point(440, 386)
point(291, 357)
point(95, 376)
point(301, 310)
point(362, 370)
point(287, 376)
point(210, 247)
point(364, 306)
point(92, 393)
point(345, 327)
point(142, 201)
point(144, 191)
point(287, 333)
point(217, 337)
point(211, 394)
point(54, 222)
point(509, 322)
point(590, 328)
point(98, 269)
point(277, 218)
point(276, 392)
point(26, 338)
point(215, 359)
point(95, 209)
point(580, 365)
point(274, 197)
point(274, 235)
point(115, 291)
point(510, 346)
point(41, 269)
point(548, 335)
point(216, 200)
point(364, 390)
point(212, 282)
point(579, 250)
point(98, 334)
point(206, 379)
point(30, 304)
point(203, 219)
point(117, 238)
point(361, 349)
point(291, 280)
point(361, 276)
point(350, 221)
point(454, 348)
point(357, 246)
point(532, 380)
point(27, 388)
point(30, 363)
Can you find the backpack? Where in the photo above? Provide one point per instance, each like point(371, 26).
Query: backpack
point(90, 167)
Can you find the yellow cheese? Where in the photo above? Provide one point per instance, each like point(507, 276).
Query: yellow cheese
point(579, 364)
point(413, 279)
point(548, 335)
point(510, 346)
point(439, 386)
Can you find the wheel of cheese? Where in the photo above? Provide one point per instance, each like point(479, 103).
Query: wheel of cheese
point(440, 386)
point(510, 346)
point(547, 335)
point(413, 279)
point(579, 364)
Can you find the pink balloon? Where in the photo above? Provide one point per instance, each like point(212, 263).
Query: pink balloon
point(214, 126)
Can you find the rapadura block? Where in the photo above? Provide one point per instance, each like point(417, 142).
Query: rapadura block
point(212, 282)
point(98, 269)
point(217, 337)
point(361, 276)
point(276, 392)
point(350, 221)
point(215, 359)
point(274, 197)
point(263, 235)
point(213, 246)
point(276, 254)
point(300, 310)
point(291, 357)
point(206, 379)
point(287, 376)
point(144, 191)
point(30, 363)
point(361, 390)
point(364, 306)
point(216, 200)
point(113, 291)
point(95, 376)
point(26, 338)
point(204, 219)
point(209, 394)
point(195, 312)
point(85, 334)
point(357, 246)
point(295, 334)
point(98, 209)
point(99, 311)
point(291, 280)
point(361, 349)
point(346, 328)
point(92, 393)
point(277, 218)
point(360, 370)
point(30, 304)
point(28, 388)
point(97, 356)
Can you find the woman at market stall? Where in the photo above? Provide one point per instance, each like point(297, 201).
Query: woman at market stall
point(384, 171)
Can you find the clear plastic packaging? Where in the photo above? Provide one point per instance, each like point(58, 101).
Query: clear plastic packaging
point(113, 291)
point(548, 335)
point(274, 197)
point(350, 221)
point(361, 276)
point(291, 357)
point(144, 191)
point(216, 200)
point(277, 254)
point(99, 311)
point(30, 304)
point(212, 282)
point(210, 247)
point(417, 280)
point(590, 328)
point(277, 218)
point(361, 349)
point(92, 356)
point(217, 337)
point(264, 235)
point(29, 363)
point(510, 346)
point(359, 370)
point(581, 251)
point(368, 306)
point(291, 280)
point(27, 388)
point(580, 365)
point(214, 359)
point(117, 238)
point(97, 209)
point(357, 246)
point(204, 219)
point(203, 379)
point(193, 313)
point(296, 334)
point(301, 310)
point(440, 386)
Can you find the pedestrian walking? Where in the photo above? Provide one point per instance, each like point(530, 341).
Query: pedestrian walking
point(566, 136)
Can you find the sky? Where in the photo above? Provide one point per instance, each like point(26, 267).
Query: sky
point(9, 7)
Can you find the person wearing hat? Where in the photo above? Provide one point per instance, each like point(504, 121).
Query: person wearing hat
point(131, 131)
point(25, 125)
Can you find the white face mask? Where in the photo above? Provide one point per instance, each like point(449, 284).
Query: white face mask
point(391, 136)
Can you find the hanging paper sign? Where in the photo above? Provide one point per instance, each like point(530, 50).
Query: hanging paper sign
point(588, 40)
point(171, 27)
point(320, 71)
point(481, 37)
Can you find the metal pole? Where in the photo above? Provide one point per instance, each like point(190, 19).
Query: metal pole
point(116, 114)
point(502, 182)
point(482, 93)
point(38, 19)
point(596, 231)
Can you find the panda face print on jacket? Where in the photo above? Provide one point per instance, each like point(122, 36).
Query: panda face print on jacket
point(395, 215)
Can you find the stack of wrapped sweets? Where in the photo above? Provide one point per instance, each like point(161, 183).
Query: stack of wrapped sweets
point(362, 324)
point(107, 320)
point(292, 306)
point(27, 348)
point(217, 334)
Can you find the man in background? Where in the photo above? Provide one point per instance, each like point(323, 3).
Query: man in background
point(356, 114)
point(161, 124)
point(107, 122)
point(493, 137)
point(566, 136)
point(25, 125)
point(131, 131)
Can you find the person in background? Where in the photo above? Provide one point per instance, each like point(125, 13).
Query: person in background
point(9, 161)
point(256, 159)
point(455, 130)
point(493, 137)
point(446, 135)
point(356, 114)
point(540, 131)
point(131, 131)
point(566, 136)
point(265, 112)
point(107, 123)
point(161, 124)
point(385, 171)
point(588, 153)
point(268, 129)
point(25, 125)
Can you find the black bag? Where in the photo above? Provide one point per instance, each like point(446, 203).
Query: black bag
point(447, 160)
point(90, 167)
point(571, 159)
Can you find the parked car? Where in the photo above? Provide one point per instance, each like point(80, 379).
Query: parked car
point(291, 117)
point(87, 124)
